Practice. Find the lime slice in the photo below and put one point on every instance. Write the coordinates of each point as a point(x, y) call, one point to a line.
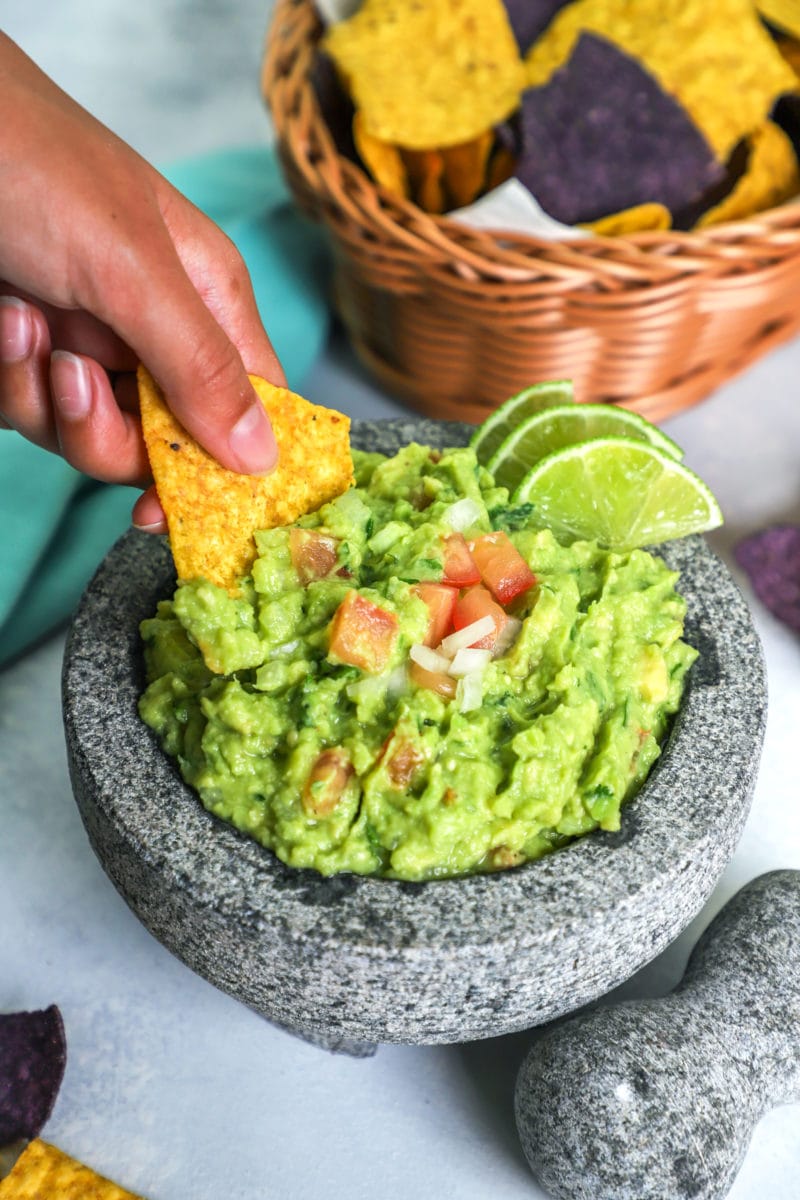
point(496, 428)
point(554, 428)
point(619, 492)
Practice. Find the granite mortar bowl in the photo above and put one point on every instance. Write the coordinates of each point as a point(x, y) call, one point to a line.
point(350, 959)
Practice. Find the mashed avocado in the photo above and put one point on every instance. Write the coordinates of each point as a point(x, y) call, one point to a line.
point(418, 682)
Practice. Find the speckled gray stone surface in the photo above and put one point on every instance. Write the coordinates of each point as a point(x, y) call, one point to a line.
point(378, 960)
point(657, 1099)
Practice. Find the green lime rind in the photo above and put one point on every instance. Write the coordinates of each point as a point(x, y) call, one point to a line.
point(619, 492)
point(496, 428)
point(554, 428)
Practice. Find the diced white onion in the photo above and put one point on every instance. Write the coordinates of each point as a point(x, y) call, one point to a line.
point(469, 692)
point(467, 660)
point(428, 659)
point(397, 682)
point(508, 635)
point(467, 636)
point(463, 514)
point(380, 542)
point(287, 647)
point(375, 688)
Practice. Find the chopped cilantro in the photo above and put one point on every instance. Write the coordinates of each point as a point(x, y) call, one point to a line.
point(509, 519)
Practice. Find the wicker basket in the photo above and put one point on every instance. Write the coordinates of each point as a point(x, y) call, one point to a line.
point(453, 320)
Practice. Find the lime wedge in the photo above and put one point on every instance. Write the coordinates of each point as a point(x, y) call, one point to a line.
point(554, 428)
point(496, 428)
point(619, 492)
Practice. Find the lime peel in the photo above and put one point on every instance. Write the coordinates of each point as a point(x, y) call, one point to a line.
point(619, 492)
point(496, 428)
point(554, 428)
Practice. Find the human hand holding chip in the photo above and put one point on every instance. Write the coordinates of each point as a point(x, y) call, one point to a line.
point(104, 264)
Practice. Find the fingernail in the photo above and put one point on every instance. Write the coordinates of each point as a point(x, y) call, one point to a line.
point(253, 443)
point(155, 527)
point(71, 384)
point(16, 330)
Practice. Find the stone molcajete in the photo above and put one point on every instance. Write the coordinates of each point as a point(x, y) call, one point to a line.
point(352, 958)
point(657, 1099)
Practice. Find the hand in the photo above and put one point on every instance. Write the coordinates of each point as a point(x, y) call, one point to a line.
point(103, 264)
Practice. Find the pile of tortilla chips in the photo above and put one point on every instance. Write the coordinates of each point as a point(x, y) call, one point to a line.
point(617, 117)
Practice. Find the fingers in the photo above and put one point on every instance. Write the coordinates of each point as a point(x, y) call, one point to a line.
point(80, 332)
point(148, 515)
point(64, 402)
point(84, 334)
point(94, 433)
point(24, 358)
point(220, 276)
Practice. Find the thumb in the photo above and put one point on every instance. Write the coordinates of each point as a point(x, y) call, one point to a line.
point(210, 394)
point(218, 273)
point(192, 357)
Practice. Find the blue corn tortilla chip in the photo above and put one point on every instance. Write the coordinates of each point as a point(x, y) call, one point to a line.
point(33, 1054)
point(771, 559)
point(602, 135)
point(529, 18)
point(735, 167)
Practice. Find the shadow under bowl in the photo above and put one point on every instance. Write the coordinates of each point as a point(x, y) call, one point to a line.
point(359, 959)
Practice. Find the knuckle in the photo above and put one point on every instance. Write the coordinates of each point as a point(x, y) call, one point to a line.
point(216, 369)
point(231, 277)
point(232, 260)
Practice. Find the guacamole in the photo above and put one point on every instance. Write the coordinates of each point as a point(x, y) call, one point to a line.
point(416, 681)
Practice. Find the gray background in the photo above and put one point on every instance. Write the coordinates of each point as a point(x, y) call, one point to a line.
point(172, 1087)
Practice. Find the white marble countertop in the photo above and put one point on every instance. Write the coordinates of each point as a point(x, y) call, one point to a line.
point(171, 1087)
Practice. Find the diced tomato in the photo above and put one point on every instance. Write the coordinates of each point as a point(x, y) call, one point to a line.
point(475, 603)
point(502, 567)
point(435, 681)
point(362, 634)
point(313, 554)
point(326, 782)
point(459, 568)
point(441, 600)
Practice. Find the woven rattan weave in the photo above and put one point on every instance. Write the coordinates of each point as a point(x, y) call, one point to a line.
point(453, 321)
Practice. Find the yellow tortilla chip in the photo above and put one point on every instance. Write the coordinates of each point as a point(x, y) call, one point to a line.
point(465, 168)
point(425, 173)
point(212, 512)
point(783, 14)
point(790, 51)
point(772, 177)
point(501, 167)
point(43, 1172)
point(431, 74)
point(716, 59)
point(382, 160)
point(639, 219)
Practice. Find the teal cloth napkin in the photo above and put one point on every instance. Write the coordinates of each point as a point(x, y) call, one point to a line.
point(55, 524)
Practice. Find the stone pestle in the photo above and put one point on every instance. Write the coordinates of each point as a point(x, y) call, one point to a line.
point(658, 1099)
